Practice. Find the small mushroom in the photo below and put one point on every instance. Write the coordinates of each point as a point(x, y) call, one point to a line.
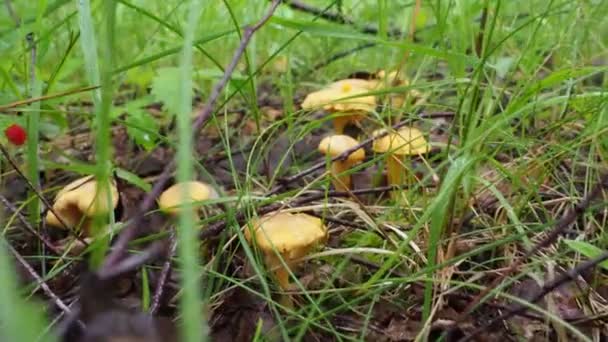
point(80, 201)
point(291, 236)
point(397, 146)
point(345, 96)
point(335, 145)
point(171, 200)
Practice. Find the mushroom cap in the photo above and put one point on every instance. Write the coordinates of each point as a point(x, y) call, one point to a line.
point(406, 141)
point(292, 235)
point(171, 200)
point(332, 98)
point(335, 145)
point(82, 198)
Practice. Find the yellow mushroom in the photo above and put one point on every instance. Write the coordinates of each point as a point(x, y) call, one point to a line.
point(288, 236)
point(335, 145)
point(172, 199)
point(345, 96)
point(81, 200)
point(397, 146)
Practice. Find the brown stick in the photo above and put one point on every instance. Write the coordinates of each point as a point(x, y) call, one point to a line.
point(29, 227)
point(45, 97)
point(338, 18)
point(41, 283)
point(547, 288)
point(218, 227)
point(560, 226)
point(202, 117)
point(132, 262)
point(164, 275)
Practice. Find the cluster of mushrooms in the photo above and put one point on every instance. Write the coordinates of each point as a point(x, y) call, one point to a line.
point(282, 237)
point(349, 101)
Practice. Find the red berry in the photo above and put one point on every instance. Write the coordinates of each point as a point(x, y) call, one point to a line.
point(15, 134)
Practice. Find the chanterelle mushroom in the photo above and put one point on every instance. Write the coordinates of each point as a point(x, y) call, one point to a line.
point(80, 201)
point(345, 96)
point(171, 199)
point(335, 145)
point(398, 145)
point(292, 236)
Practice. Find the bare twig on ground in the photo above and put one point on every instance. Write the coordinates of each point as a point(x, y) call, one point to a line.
point(164, 275)
point(219, 226)
point(132, 262)
point(40, 282)
point(560, 227)
point(28, 226)
point(458, 295)
point(201, 119)
point(547, 288)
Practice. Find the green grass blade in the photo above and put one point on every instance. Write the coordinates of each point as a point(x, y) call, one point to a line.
point(193, 322)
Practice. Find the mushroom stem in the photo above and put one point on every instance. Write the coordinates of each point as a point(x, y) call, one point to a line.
point(396, 173)
point(281, 275)
point(340, 123)
point(341, 181)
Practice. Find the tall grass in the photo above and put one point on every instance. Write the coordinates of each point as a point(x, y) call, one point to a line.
point(193, 321)
point(531, 82)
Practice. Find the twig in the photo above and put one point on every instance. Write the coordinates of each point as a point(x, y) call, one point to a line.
point(202, 117)
point(560, 227)
point(218, 227)
point(45, 97)
point(38, 193)
point(372, 265)
point(338, 18)
point(285, 181)
point(164, 275)
point(547, 288)
point(29, 227)
point(40, 282)
point(341, 55)
point(132, 262)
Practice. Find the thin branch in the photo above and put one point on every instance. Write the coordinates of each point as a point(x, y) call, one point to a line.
point(164, 275)
point(546, 289)
point(240, 217)
point(338, 18)
point(341, 55)
point(202, 118)
point(132, 262)
point(458, 295)
point(560, 227)
point(40, 282)
point(45, 97)
point(28, 226)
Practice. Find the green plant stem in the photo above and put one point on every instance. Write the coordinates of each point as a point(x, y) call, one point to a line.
point(33, 119)
point(193, 322)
